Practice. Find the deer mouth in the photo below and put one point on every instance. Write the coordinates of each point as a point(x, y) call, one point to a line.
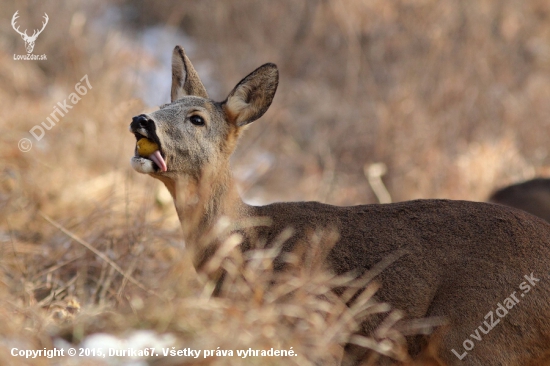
point(148, 156)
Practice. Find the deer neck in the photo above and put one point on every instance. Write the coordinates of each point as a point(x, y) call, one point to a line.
point(203, 199)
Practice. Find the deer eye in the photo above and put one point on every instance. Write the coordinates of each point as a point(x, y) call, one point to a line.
point(197, 120)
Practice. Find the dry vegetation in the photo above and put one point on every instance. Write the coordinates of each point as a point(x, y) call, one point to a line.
point(451, 96)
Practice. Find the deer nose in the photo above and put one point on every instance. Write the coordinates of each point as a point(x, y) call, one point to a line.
point(140, 121)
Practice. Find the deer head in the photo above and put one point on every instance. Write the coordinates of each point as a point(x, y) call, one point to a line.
point(195, 134)
point(29, 41)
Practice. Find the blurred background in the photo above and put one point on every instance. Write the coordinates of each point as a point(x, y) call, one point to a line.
point(450, 96)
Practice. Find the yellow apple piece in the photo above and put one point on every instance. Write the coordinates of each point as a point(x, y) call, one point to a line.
point(146, 147)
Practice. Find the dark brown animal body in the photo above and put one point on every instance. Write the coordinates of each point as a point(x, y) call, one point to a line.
point(463, 258)
point(532, 196)
point(484, 267)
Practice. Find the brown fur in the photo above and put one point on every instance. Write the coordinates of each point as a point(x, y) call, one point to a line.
point(532, 196)
point(185, 80)
point(462, 258)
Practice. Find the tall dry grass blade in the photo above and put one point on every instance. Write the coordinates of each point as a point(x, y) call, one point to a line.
point(98, 253)
point(55, 293)
point(367, 277)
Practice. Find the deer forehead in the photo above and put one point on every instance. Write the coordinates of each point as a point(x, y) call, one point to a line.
point(180, 109)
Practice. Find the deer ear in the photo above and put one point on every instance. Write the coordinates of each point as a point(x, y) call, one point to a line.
point(252, 96)
point(185, 80)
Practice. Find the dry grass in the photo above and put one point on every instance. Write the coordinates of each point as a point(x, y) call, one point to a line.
point(450, 96)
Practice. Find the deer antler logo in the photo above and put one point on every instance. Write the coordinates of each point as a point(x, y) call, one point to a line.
point(29, 41)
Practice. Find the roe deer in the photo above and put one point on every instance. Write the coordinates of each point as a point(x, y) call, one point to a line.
point(464, 259)
point(532, 196)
